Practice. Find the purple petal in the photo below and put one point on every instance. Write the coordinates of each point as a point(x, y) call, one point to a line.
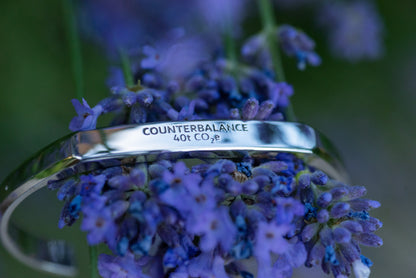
point(369, 239)
point(342, 235)
point(339, 210)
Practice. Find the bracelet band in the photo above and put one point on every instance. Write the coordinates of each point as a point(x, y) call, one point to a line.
point(147, 143)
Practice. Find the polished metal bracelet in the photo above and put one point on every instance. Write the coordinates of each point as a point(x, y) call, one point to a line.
point(145, 143)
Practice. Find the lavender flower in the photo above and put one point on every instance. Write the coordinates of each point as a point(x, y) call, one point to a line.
point(354, 29)
point(270, 238)
point(176, 57)
point(127, 24)
point(87, 116)
point(298, 44)
point(214, 227)
point(99, 223)
point(225, 15)
point(293, 42)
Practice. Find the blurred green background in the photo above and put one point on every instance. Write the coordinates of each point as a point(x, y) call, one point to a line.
point(366, 109)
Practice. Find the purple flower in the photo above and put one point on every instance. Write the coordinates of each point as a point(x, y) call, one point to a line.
point(309, 231)
point(134, 180)
point(175, 257)
point(342, 235)
point(179, 182)
point(68, 188)
point(339, 210)
point(270, 238)
point(115, 78)
point(265, 110)
point(215, 228)
point(283, 185)
point(250, 108)
point(70, 212)
point(280, 93)
point(319, 178)
point(304, 181)
point(330, 255)
point(294, 257)
point(254, 51)
point(221, 166)
point(87, 116)
point(324, 199)
point(187, 113)
point(333, 241)
point(287, 210)
point(91, 184)
point(297, 44)
point(223, 15)
point(146, 211)
point(121, 267)
point(369, 239)
point(100, 225)
point(180, 176)
point(127, 24)
point(175, 58)
point(151, 59)
point(354, 29)
point(205, 265)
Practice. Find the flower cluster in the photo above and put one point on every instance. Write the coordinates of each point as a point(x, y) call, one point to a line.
point(215, 89)
point(206, 219)
point(294, 43)
point(240, 216)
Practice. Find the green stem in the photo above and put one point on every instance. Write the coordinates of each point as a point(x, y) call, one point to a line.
point(125, 64)
point(93, 250)
point(230, 49)
point(270, 31)
point(75, 46)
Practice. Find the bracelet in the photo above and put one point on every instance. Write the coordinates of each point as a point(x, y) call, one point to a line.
point(144, 143)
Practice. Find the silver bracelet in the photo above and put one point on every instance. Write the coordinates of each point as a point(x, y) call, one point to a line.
point(145, 143)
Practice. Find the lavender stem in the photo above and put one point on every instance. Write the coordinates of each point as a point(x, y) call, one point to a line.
point(75, 46)
point(270, 30)
point(93, 251)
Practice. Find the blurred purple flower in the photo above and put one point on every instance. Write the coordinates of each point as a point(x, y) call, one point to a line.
point(298, 44)
point(222, 15)
point(280, 93)
point(113, 24)
point(355, 29)
point(176, 57)
point(127, 24)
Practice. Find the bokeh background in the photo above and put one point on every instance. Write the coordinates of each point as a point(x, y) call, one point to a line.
point(367, 109)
